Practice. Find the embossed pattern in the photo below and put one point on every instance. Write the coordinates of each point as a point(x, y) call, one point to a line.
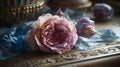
point(14, 11)
point(73, 57)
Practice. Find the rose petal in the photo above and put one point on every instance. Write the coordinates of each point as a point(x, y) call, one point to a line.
point(53, 34)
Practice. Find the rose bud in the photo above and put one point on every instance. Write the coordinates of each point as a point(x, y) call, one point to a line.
point(60, 13)
point(85, 27)
point(52, 34)
point(102, 12)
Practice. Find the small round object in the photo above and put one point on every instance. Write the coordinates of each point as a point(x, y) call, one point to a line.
point(102, 12)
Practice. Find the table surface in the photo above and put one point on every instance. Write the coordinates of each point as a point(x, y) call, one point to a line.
point(103, 56)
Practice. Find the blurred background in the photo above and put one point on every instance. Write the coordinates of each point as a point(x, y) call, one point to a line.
point(20, 11)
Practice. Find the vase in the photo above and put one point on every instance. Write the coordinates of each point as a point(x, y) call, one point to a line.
point(18, 11)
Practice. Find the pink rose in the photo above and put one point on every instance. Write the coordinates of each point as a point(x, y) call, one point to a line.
point(52, 33)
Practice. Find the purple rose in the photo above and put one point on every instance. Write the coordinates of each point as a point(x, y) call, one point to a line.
point(52, 34)
point(85, 27)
